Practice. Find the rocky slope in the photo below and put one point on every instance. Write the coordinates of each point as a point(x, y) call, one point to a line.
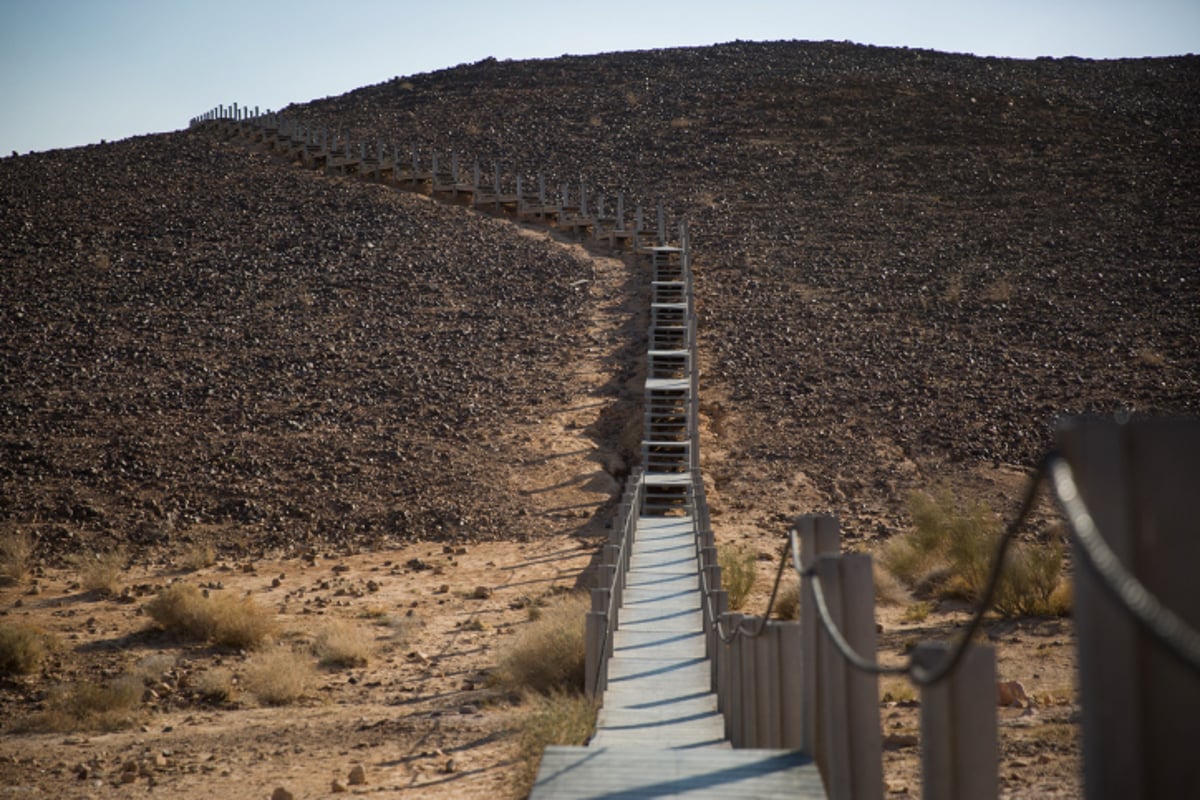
point(910, 262)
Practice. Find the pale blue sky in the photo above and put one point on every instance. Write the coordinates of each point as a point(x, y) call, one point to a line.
point(74, 72)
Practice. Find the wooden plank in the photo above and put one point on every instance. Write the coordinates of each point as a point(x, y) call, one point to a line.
point(574, 773)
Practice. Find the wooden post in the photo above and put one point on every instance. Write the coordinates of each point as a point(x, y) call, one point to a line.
point(818, 535)
point(958, 726)
point(849, 745)
point(594, 668)
point(1140, 726)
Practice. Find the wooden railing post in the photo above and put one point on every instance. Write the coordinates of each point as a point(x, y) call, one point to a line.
point(819, 535)
point(594, 682)
point(958, 726)
point(849, 744)
point(1138, 481)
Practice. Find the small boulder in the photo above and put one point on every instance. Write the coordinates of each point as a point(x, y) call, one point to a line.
point(1011, 693)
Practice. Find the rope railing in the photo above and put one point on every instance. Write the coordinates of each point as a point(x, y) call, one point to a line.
point(1149, 612)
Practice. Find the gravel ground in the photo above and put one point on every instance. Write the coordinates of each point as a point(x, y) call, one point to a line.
point(200, 342)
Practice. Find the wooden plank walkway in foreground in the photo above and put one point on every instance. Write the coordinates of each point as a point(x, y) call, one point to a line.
point(659, 733)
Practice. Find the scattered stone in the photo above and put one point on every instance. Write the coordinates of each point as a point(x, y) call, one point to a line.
point(281, 793)
point(895, 741)
point(1012, 694)
point(451, 766)
point(481, 593)
point(338, 786)
point(358, 776)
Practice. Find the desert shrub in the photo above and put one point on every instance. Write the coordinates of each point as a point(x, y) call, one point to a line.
point(550, 654)
point(214, 685)
point(224, 620)
point(787, 602)
point(198, 555)
point(342, 644)
point(90, 706)
point(737, 573)
point(280, 676)
point(917, 612)
point(559, 718)
point(100, 573)
point(22, 648)
point(1032, 584)
point(949, 552)
point(403, 629)
point(16, 554)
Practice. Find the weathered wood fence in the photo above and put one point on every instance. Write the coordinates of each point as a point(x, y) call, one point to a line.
point(579, 208)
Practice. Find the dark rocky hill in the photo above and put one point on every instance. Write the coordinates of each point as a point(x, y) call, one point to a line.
point(909, 263)
point(906, 258)
point(200, 342)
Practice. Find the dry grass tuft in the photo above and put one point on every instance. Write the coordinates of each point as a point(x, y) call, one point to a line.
point(221, 619)
point(787, 602)
point(917, 612)
point(16, 555)
point(558, 718)
point(550, 655)
point(738, 573)
point(343, 644)
point(280, 676)
point(949, 551)
point(403, 628)
point(22, 648)
point(89, 706)
point(889, 591)
point(100, 573)
point(897, 690)
point(215, 685)
point(198, 555)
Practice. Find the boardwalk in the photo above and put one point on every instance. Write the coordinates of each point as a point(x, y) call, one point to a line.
point(659, 733)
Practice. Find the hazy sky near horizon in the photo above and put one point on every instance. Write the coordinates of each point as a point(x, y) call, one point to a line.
point(73, 72)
